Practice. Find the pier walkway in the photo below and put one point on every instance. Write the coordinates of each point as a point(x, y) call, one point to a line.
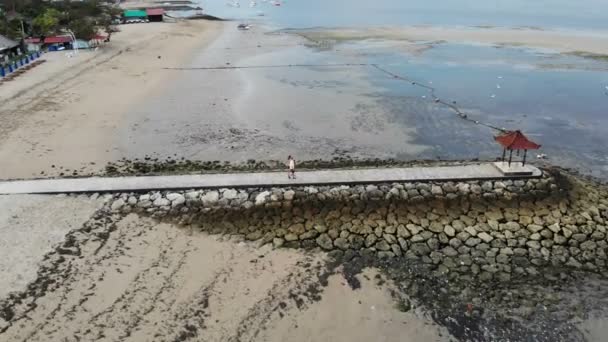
point(482, 171)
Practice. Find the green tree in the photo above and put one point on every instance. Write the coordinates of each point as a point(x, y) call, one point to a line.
point(10, 27)
point(105, 20)
point(47, 22)
point(83, 28)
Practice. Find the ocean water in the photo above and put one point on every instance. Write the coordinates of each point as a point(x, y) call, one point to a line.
point(579, 14)
point(558, 100)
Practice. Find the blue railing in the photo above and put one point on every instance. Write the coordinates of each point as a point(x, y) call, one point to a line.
point(21, 61)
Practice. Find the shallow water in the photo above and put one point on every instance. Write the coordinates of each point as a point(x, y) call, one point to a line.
point(560, 101)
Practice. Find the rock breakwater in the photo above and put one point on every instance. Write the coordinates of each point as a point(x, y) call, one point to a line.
point(479, 229)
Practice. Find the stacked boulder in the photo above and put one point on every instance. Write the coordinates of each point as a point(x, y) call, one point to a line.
point(485, 229)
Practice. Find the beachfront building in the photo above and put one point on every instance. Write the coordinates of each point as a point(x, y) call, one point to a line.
point(8, 48)
point(134, 15)
point(51, 43)
point(56, 43)
point(155, 14)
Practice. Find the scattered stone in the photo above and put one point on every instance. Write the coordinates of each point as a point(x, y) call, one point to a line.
point(117, 205)
point(210, 198)
point(173, 196)
point(436, 190)
point(289, 195)
point(341, 243)
point(161, 202)
point(192, 195)
point(382, 245)
point(178, 200)
point(262, 197)
point(325, 242)
point(485, 237)
point(449, 231)
point(230, 194)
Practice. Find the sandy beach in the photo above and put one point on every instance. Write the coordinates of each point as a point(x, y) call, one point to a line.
point(68, 111)
point(134, 98)
point(147, 281)
point(30, 228)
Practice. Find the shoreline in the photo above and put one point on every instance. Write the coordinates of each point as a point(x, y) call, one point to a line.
point(563, 41)
point(127, 105)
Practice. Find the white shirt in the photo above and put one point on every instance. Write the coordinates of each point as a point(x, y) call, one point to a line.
point(292, 164)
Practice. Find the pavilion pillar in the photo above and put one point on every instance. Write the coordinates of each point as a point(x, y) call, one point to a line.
point(504, 154)
point(524, 161)
point(510, 157)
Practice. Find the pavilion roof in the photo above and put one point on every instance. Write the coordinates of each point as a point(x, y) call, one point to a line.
point(516, 140)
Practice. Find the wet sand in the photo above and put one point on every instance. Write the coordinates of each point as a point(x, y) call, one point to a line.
point(147, 281)
point(560, 41)
point(266, 113)
point(30, 227)
point(131, 278)
point(72, 116)
point(127, 104)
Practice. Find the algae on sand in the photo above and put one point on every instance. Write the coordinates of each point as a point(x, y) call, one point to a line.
point(590, 55)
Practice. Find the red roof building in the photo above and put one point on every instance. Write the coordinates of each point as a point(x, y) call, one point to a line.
point(49, 40)
point(99, 37)
point(32, 40)
point(155, 11)
point(155, 14)
point(57, 39)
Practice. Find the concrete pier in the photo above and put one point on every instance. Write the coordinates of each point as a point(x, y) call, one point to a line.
point(481, 171)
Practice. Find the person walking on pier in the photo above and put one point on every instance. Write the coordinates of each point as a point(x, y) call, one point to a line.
point(291, 174)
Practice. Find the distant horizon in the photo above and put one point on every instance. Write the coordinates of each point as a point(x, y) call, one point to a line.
point(555, 14)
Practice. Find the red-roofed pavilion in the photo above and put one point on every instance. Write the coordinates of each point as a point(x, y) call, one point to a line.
point(515, 140)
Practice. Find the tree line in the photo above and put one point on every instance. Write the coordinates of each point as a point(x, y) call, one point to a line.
point(39, 18)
